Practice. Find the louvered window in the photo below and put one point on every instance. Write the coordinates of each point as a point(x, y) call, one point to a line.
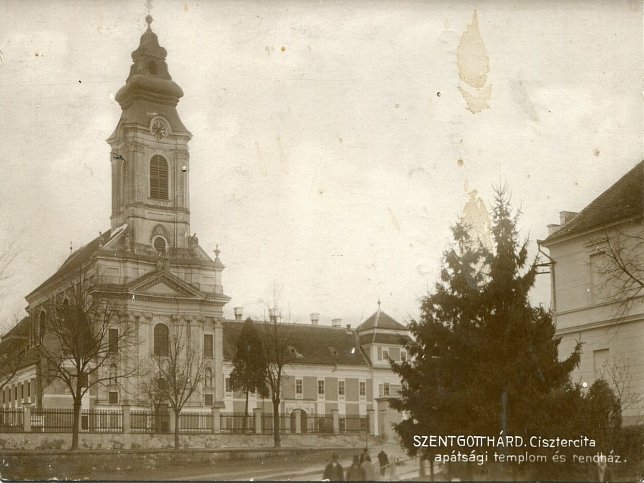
point(158, 178)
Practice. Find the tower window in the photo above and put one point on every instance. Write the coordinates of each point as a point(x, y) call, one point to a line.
point(161, 341)
point(158, 178)
point(152, 68)
point(159, 244)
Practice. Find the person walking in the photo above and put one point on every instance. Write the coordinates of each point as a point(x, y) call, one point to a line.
point(384, 462)
point(369, 469)
point(355, 472)
point(333, 471)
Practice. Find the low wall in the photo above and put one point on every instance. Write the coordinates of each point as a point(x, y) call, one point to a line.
point(121, 441)
point(36, 457)
point(70, 465)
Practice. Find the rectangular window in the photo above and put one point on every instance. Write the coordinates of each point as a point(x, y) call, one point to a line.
point(15, 393)
point(29, 389)
point(113, 341)
point(341, 388)
point(403, 355)
point(298, 387)
point(600, 361)
point(227, 384)
point(114, 397)
point(208, 346)
point(22, 391)
point(385, 354)
point(379, 353)
point(363, 388)
point(385, 389)
point(208, 399)
point(321, 387)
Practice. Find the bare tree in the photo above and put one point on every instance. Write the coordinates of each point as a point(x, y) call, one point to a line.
point(278, 354)
point(13, 351)
point(155, 391)
point(179, 371)
point(617, 261)
point(84, 335)
point(616, 372)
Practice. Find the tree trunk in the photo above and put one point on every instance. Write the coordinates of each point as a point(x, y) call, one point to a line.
point(75, 423)
point(176, 430)
point(276, 423)
point(245, 413)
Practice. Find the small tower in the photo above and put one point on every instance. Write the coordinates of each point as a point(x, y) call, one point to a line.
point(149, 156)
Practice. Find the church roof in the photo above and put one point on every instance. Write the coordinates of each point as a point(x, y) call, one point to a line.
point(77, 258)
point(380, 320)
point(149, 89)
point(311, 344)
point(621, 201)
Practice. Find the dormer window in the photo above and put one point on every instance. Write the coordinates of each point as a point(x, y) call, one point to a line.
point(158, 178)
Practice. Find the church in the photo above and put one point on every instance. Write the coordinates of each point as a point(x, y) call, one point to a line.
point(150, 264)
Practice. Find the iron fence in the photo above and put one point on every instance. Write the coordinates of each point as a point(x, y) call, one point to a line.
point(11, 421)
point(102, 420)
point(354, 424)
point(236, 423)
point(317, 423)
point(195, 423)
point(286, 423)
point(144, 421)
point(52, 420)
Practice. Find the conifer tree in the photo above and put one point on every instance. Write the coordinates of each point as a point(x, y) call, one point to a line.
point(483, 359)
point(249, 365)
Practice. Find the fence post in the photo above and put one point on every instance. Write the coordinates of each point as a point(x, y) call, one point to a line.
point(372, 421)
point(298, 421)
point(257, 414)
point(125, 411)
point(336, 420)
point(216, 420)
point(26, 418)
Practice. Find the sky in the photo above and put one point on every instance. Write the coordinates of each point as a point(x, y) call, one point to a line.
point(333, 142)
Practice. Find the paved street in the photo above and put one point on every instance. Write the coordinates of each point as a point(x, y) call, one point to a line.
point(304, 467)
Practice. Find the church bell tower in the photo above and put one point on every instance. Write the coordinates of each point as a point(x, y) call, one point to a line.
point(149, 157)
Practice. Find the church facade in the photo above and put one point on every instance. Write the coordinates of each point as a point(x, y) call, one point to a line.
point(163, 281)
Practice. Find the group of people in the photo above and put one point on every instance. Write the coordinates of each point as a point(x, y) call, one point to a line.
point(362, 469)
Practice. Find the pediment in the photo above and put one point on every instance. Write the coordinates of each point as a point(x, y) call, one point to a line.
point(164, 284)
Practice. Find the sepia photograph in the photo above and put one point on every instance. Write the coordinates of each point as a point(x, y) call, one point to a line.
point(293, 240)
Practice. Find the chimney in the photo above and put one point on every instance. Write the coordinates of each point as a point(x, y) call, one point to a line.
point(553, 227)
point(336, 322)
point(566, 216)
point(239, 312)
point(315, 318)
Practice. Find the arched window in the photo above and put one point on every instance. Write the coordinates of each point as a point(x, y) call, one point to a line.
point(208, 381)
point(42, 324)
point(161, 340)
point(159, 244)
point(158, 178)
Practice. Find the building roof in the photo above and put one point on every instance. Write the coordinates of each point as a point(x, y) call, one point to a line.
point(12, 346)
point(77, 258)
point(380, 320)
point(312, 344)
point(621, 201)
point(380, 338)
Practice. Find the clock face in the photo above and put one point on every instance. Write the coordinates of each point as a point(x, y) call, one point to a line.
point(159, 129)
